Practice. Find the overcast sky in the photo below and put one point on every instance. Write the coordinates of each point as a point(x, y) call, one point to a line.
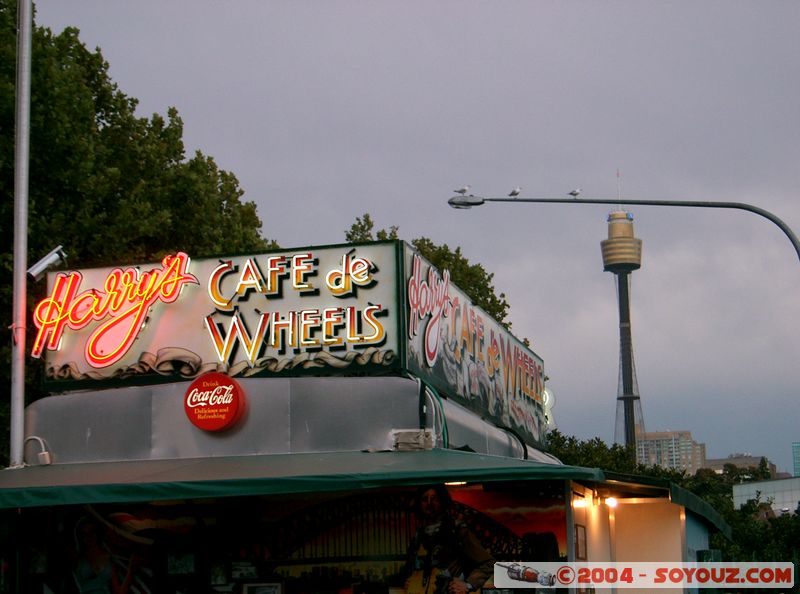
point(328, 110)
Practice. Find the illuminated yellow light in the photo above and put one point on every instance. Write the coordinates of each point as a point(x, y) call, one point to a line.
point(456, 483)
point(611, 502)
point(579, 502)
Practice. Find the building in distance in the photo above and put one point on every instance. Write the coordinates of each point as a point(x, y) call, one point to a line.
point(671, 449)
point(782, 495)
point(743, 461)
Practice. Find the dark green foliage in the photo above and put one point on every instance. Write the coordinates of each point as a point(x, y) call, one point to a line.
point(592, 453)
point(361, 230)
point(758, 534)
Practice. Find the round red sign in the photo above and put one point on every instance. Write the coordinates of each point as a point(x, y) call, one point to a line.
point(214, 402)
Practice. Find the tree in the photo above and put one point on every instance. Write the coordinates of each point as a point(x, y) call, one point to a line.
point(109, 186)
point(361, 230)
point(591, 453)
point(757, 533)
point(470, 278)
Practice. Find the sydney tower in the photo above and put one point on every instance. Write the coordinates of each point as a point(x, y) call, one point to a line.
point(622, 254)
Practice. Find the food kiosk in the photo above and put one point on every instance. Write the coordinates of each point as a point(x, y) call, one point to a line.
point(262, 423)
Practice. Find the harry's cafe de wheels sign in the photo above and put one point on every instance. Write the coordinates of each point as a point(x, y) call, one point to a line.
point(355, 309)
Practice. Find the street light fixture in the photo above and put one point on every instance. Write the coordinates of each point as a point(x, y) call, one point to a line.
point(470, 201)
point(465, 201)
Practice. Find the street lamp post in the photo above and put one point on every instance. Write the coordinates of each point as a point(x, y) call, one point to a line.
point(470, 201)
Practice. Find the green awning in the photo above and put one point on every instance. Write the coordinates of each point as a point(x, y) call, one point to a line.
point(274, 474)
point(198, 478)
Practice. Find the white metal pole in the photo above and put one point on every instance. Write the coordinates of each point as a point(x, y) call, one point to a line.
point(21, 157)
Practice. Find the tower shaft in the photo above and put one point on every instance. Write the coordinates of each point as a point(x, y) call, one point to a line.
point(622, 254)
point(628, 390)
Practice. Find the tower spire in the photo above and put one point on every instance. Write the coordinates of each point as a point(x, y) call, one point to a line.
point(622, 254)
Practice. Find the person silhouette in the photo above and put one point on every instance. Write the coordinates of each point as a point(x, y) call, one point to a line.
point(95, 571)
point(444, 556)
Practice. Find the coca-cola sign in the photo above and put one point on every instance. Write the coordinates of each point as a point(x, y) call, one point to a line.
point(214, 402)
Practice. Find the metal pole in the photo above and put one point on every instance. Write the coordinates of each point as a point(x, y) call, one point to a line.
point(21, 157)
point(470, 201)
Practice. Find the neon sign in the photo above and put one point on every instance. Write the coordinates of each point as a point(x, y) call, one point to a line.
point(122, 307)
point(297, 329)
point(428, 298)
point(265, 311)
point(462, 351)
point(252, 279)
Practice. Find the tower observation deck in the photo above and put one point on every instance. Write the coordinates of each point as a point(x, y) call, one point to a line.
point(622, 254)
